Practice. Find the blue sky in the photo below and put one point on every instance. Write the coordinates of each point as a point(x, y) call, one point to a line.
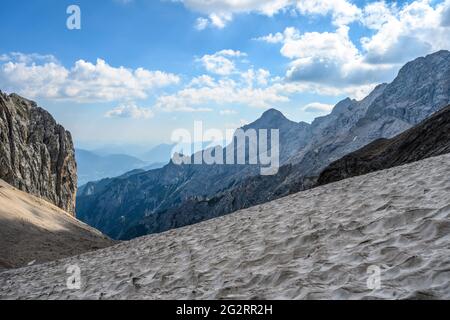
point(138, 69)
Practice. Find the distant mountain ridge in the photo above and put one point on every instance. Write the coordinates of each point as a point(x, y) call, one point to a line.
point(160, 189)
point(160, 153)
point(179, 195)
point(94, 167)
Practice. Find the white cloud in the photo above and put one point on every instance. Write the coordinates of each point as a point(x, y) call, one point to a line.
point(249, 88)
point(332, 45)
point(343, 12)
point(317, 107)
point(271, 38)
point(219, 20)
point(220, 12)
point(258, 77)
point(222, 92)
point(376, 14)
point(227, 112)
point(413, 30)
point(216, 20)
point(201, 24)
point(130, 111)
point(43, 76)
point(280, 37)
point(203, 80)
point(28, 58)
point(330, 58)
point(266, 7)
point(331, 61)
point(222, 62)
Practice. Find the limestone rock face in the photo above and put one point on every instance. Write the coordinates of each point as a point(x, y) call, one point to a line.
point(36, 153)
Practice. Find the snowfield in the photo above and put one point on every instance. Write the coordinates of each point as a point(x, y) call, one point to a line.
point(317, 244)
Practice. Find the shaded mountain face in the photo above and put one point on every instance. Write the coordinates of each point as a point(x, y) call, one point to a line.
point(93, 167)
point(428, 139)
point(182, 195)
point(36, 154)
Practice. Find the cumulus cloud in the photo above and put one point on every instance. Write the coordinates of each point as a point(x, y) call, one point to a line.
point(227, 112)
point(130, 111)
point(271, 38)
point(407, 32)
point(376, 14)
point(280, 37)
point(201, 24)
point(258, 77)
point(343, 12)
point(222, 62)
point(331, 60)
point(220, 12)
point(223, 92)
point(252, 88)
point(43, 76)
point(266, 7)
point(317, 107)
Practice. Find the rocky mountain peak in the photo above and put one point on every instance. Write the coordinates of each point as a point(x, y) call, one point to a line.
point(342, 106)
point(420, 67)
point(421, 88)
point(36, 154)
point(271, 118)
point(272, 113)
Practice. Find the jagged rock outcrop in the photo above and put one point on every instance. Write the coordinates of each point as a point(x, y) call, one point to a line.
point(36, 154)
point(428, 139)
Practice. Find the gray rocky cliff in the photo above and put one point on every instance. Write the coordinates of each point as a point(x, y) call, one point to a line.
point(36, 153)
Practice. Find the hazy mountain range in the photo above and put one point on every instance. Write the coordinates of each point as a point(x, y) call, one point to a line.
point(104, 163)
point(93, 167)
